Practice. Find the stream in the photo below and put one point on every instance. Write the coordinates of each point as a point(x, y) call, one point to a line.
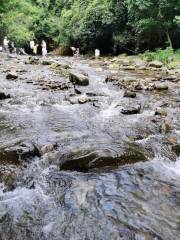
point(86, 171)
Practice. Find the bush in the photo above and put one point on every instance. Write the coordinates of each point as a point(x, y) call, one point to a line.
point(164, 56)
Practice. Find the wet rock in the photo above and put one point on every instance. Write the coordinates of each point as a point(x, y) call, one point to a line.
point(104, 160)
point(77, 91)
point(170, 78)
point(160, 111)
point(17, 153)
point(129, 68)
point(156, 64)
point(4, 96)
point(172, 140)
point(114, 66)
point(8, 176)
point(149, 87)
point(96, 105)
point(83, 99)
point(47, 148)
point(176, 149)
point(128, 110)
point(78, 78)
point(129, 94)
point(33, 60)
point(57, 66)
point(161, 86)
point(47, 62)
point(12, 75)
point(9, 156)
point(73, 100)
point(138, 86)
point(165, 128)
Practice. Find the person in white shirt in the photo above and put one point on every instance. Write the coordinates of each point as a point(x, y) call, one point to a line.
point(5, 43)
point(73, 50)
point(97, 53)
point(32, 44)
point(44, 48)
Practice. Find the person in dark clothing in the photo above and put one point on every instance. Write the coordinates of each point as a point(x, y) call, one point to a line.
point(10, 46)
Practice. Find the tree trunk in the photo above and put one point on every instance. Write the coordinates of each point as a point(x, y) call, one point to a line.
point(169, 39)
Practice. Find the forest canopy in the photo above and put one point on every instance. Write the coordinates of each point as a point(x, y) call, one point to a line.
point(111, 25)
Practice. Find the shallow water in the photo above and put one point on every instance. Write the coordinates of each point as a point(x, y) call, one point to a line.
point(111, 176)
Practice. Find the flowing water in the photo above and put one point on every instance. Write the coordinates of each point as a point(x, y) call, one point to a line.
point(110, 176)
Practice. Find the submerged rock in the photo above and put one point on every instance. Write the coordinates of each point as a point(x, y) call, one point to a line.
point(78, 78)
point(4, 96)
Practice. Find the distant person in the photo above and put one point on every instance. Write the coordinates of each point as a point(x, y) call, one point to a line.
point(1, 48)
point(11, 47)
point(73, 50)
point(44, 48)
point(35, 49)
point(97, 53)
point(5, 44)
point(77, 53)
point(32, 44)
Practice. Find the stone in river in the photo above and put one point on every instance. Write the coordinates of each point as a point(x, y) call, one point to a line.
point(128, 110)
point(161, 86)
point(129, 94)
point(4, 96)
point(156, 64)
point(83, 99)
point(78, 78)
point(12, 75)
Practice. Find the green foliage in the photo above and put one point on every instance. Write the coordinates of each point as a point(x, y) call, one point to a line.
point(111, 25)
point(166, 56)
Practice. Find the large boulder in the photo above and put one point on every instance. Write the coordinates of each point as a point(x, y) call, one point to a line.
point(130, 154)
point(78, 78)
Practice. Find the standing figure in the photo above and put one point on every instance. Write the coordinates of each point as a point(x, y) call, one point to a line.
point(77, 53)
point(32, 44)
point(97, 53)
point(5, 44)
point(73, 50)
point(11, 47)
point(44, 48)
point(35, 49)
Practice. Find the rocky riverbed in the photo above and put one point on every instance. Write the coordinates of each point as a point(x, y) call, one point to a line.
point(89, 149)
